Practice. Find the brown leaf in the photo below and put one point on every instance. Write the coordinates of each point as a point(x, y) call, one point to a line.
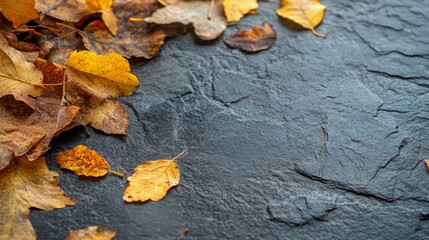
point(195, 13)
point(25, 184)
point(253, 40)
point(66, 10)
point(306, 13)
point(84, 162)
point(236, 9)
point(17, 76)
point(91, 233)
point(152, 180)
point(18, 11)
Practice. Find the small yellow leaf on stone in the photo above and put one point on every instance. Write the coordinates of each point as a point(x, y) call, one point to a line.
point(101, 75)
point(236, 9)
point(152, 180)
point(91, 233)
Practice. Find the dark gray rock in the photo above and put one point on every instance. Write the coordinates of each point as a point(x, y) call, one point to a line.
point(311, 139)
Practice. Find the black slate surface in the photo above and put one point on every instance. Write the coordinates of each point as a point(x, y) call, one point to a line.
point(312, 139)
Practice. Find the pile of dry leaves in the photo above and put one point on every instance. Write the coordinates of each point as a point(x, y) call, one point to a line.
point(63, 63)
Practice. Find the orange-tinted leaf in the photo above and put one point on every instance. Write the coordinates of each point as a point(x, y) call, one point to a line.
point(91, 233)
point(25, 184)
point(306, 13)
point(253, 40)
point(18, 11)
point(84, 162)
point(195, 13)
point(152, 180)
point(95, 5)
point(236, 9)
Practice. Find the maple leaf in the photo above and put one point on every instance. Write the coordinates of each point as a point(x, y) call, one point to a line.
point(25, 184)
point(195, 13)
point(18, 11)
point(17, 76)
point(306, 13)
point(91, 233)
point(152, 180)
point(253, 40)
point(236, 9)
point(84, 162)
point(101, 75)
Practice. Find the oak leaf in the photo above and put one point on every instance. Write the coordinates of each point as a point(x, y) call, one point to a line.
point(152, 180)
point(17, 76)
point(236, 9)
point(91, 233)
point(84, 162)
point(306, 13)
point(18, 11)
point(101, 75)
point(25, 184)
point(195, 13)
point(253, 40)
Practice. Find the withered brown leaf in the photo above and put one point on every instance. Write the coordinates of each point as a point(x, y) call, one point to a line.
point(253, 40)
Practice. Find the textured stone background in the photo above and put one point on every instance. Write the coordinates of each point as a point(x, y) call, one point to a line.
point(311, 139)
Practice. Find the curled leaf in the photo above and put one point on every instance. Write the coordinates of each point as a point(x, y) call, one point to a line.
point(152, 180)
point(253, 40)
point(84, 162)
point(92, 233)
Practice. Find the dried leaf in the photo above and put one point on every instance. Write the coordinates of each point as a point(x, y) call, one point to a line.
point(110, 20)
point(132, 39)
point(427, 164)
point(152, 180)
point(66, 10)
point(18, 11)
point(306, 13)
point(253, 40)
point(236, 9)
point(91, 233)
point(101, 75)
point(84, 162)
point(195, 13)
point(17, 76)
point(25, 184)
point(95, 5)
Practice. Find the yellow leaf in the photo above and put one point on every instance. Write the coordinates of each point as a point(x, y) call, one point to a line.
point(91, 233)
point(25, 184)
point(101, 75)
point(110, 20)
point(18, 11)
point(84, 162)
point(152, 180)
point(306, 13)
point(95, 5)
point(17, 76)
point(236, 9)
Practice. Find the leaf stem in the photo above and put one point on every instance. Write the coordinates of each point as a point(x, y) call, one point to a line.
point(117, 173)
point(22, 81)
point(135, 19)
point(318, 34)
point(211, 10)
point(179, 155)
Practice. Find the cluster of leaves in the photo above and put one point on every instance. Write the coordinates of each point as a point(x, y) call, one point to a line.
point(63, 63)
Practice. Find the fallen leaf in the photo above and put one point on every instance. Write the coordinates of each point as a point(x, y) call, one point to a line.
point(17, 76)
point(236, 9)
point(25, 184)
point(84, 162)
point(195, 13)
point(306, 13)
point(152, 180)
point(101, 75)
point(66, 10)
point(427, 164)
point(110, 20)
point(95, 5)
point(91, 233)
point(253, 40)
point(18, 11)
point(132, 39)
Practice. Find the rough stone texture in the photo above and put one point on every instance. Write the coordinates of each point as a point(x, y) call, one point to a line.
point(312, 139)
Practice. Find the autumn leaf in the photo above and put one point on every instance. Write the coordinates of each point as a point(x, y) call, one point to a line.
point(18, 11)
point(84, 162)
point(25, 184)
point(95, 5)
point(152, 180)
point(427, 164)
point(253, 40)
point(101, 75)
point(66, 10)
point(110, 20)
point(306, 13)
point(236, 9)
point(17, 76)
point(195, 13)
point(91, 233)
